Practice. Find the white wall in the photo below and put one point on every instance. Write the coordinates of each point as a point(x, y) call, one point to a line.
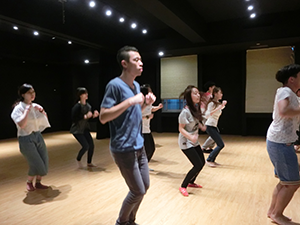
point(176, 74)
point(261, 83)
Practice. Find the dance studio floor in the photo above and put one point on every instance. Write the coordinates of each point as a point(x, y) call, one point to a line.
point(236, 193)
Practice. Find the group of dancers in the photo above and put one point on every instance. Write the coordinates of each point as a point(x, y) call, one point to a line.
point(128, 109)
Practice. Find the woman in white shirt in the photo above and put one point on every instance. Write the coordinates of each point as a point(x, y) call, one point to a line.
point(147, 115)
point(31, 119)
point(280, 136)
point(213, 113)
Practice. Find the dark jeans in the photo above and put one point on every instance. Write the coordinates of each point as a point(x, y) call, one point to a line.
point(149, 145)
point(215, 135)
point(134, 169)
point(196, 157)
point(87, 144)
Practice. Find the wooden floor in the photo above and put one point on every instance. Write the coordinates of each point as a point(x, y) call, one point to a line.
point(236, 193)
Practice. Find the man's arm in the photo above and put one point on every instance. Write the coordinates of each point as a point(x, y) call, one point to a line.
point(109, 114)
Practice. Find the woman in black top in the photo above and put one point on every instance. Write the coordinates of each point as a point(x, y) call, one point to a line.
point(81, 113)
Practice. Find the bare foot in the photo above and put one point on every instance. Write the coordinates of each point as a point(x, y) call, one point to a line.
point(79, 164)
point(91, 165)
point(211, 164)
point(281, 220)
point(288, 218)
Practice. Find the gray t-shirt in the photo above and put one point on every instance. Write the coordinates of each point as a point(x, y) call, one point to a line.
point(191, 126)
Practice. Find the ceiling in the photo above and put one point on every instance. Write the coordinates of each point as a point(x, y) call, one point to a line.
point(176, 27)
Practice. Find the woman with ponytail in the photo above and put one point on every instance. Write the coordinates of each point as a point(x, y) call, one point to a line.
point(213, 113)
point(31, 119)
point(189, 123)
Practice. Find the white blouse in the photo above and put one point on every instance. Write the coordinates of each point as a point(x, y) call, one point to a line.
point(283, 129)
point(36, 120)
point(146, 122)
point(212, 120)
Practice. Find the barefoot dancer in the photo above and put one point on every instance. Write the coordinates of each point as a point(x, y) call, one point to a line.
point(281, 134)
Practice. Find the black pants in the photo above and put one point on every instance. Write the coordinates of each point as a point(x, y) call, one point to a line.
point(87, 144)
point(149, 145)
point(196, 157)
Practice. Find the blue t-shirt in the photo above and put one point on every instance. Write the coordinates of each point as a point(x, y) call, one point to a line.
point(126, 129)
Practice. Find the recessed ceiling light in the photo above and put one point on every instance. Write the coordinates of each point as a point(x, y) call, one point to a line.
point(144, 31)
point(53, 38)
point(121, 19)
point(16, 28)
point(108, 12)
point(86, 61)
point(253, 15)
point(92, 4)
point(161, 53)
point(69, 42)
point(133, 25)
point(250, 7)
point(36, 33)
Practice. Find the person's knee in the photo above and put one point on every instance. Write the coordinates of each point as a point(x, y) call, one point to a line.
point(222, 145)
point(198, 168)
point(292, 187)
point(86, 147)
point(140, 192)
point(147, 187)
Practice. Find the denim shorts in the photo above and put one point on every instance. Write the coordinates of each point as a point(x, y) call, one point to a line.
point(285, 162)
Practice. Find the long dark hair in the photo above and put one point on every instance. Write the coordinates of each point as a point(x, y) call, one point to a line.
point(195, 109)
point(22, 90)
point(216, 103)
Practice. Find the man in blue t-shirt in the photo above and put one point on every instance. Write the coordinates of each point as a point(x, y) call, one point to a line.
point(122, 107)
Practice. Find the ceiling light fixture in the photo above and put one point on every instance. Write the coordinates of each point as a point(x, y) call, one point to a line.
point(108, 12)
point(36, 33)
point(133, 25)
point(250, 7)
point(253, 15)
point(86, 61)
point(16, 28)
point(92, 4)
point(69, 42)
point(161, 53)
point(121, 19)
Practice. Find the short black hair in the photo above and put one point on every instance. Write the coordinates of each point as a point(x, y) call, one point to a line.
point(123, 54)
point(208, 84)
point(145, 89)
point(286, 72)
point(80, 91)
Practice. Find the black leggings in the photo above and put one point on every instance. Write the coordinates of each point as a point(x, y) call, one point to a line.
point(87, 144)
point(196, 157)
point(149, 145)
